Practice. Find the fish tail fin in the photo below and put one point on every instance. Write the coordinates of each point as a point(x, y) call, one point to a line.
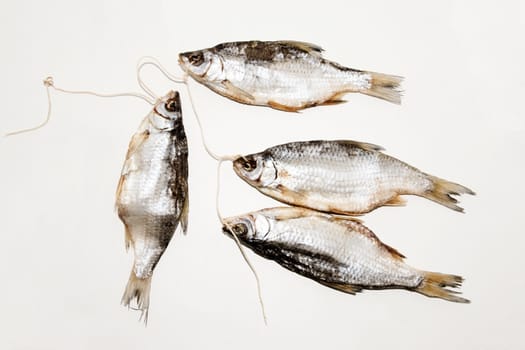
point(385, 87)
point(434, 285)
point(443, 190)
point(137, 293)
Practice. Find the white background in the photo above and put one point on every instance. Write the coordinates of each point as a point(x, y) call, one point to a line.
point(63, 265)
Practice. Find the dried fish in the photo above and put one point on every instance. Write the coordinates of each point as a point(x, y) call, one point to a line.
point(285, 75)
point(336, 251)
point(152, 195)
point(345, 177)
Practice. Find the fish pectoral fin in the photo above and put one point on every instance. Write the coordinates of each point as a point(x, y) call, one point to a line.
point(296, 198)
point(237, 92)
point(303, 46)
point(397, 201)
point(127, 168)
point(346, 288)
point(281, 107)
point(136, 141)
point(119, 190)
point(287, 213)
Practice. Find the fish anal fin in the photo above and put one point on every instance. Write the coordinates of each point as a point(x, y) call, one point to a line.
point(346, 288)
point(332, 101)
point(335, 99)
point(237, 93)
point(128, 240)
point(396, 201)
point(184, 216)
point(281, 107)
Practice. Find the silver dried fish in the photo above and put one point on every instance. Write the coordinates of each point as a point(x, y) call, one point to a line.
point(285, 75)
point(338, 252)
point(152, 195)
point(345, 177)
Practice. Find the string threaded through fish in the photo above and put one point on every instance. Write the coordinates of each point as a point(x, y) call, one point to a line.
point(49, 83)
point(241, 248)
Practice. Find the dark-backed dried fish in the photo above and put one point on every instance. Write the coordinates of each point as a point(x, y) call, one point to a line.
point(285, 75)
point(336, 251)
point(345, 177)
point(152, 195)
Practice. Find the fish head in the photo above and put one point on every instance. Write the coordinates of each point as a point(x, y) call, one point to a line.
point(169, 107)
point(202, 64)
point(256, 169)
point(248, 227)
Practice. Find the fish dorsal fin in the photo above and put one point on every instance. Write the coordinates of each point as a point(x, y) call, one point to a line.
point(394, 252)
point(356, 226)
point(304, 46)
point(363, 145)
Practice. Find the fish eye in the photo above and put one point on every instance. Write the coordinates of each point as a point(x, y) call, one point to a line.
point(196, 58)
point(171, 105)
point(249, 164)
point(240, 229)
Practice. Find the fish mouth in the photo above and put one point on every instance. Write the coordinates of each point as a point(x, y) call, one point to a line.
point(174, 95)
point(226, 230)
point(183, 60)
point(192, 63)
point(172, 103)
point(185, 64)
point(246, 175)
